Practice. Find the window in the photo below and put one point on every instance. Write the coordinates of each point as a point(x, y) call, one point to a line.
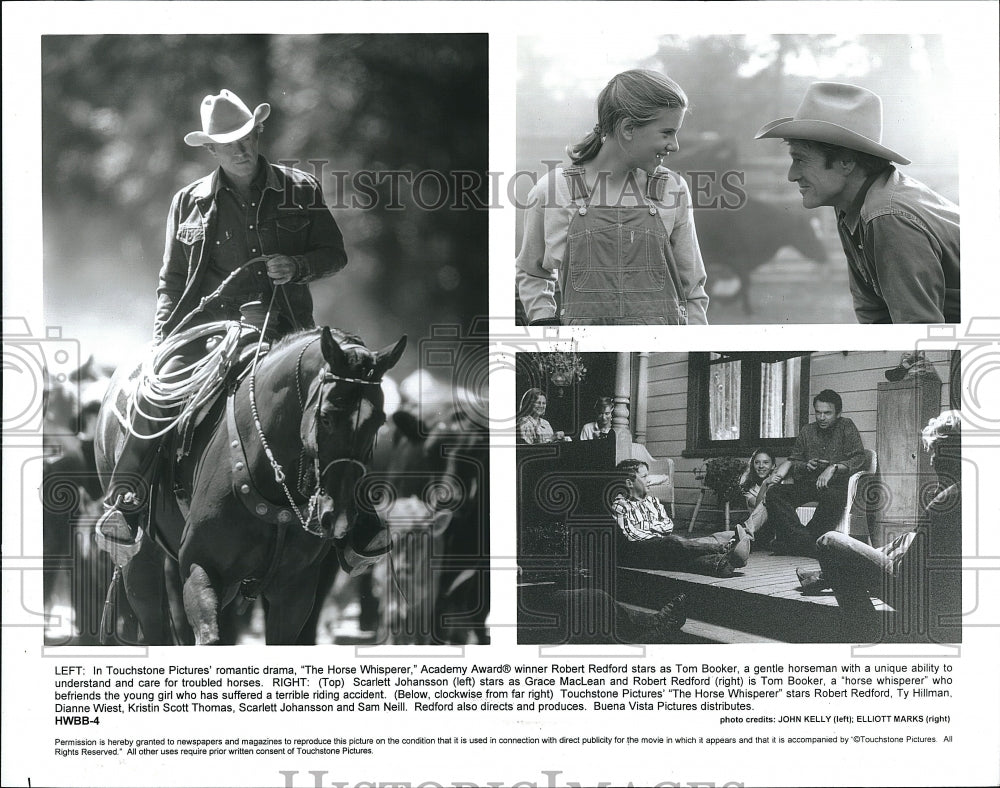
point(740, 401)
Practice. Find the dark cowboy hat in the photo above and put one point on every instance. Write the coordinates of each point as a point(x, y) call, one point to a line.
point(838, 114)
point(225, 118)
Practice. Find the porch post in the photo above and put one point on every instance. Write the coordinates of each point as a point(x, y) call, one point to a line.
point(623, 381)
point(641, 400)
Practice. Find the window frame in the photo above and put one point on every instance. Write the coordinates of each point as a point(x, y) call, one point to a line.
point(698, 442)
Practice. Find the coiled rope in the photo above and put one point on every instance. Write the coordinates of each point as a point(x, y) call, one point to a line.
point(185, 389)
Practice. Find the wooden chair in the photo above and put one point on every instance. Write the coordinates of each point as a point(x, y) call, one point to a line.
point(858, 530)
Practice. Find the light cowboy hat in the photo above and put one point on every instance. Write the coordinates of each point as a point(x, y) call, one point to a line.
point(225, 118)
point(838, 114)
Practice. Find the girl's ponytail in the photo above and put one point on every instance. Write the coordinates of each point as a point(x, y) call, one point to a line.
point(637, 95)
point(587, 148)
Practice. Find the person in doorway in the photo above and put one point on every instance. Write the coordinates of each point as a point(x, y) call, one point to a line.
point(600, 427)
point(615, 231)
point(901, 238)
point(532, 427)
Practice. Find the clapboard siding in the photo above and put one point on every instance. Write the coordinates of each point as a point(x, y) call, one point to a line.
point(854, 375)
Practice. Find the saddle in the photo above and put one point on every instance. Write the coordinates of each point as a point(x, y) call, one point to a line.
point(168, 498)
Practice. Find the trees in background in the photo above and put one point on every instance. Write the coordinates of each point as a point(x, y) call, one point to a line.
point(115, 110)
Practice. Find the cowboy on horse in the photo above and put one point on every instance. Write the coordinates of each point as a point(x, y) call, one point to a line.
point(247, 210)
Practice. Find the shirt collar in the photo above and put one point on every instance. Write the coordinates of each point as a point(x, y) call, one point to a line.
point(852, 215)
point(265, 178)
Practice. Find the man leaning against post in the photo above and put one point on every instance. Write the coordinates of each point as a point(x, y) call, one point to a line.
point(646, 538)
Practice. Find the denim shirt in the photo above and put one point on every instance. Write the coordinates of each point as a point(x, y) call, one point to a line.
point(291, 219)
point(839, 443)
point(902, 245)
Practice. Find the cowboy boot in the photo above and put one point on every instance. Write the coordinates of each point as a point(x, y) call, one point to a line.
point(367, 543)
point(811, 581)
point(116, 536)
point(739, 551)
point(673, 615)
point(117, 530)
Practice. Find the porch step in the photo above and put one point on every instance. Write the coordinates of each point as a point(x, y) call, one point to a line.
point(762, 600)
point(761, 603)
point(697, 631)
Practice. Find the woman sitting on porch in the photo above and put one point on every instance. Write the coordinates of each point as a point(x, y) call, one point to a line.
point(531, 427)
point(761, 474)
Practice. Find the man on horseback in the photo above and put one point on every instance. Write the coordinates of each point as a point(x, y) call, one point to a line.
point(246, 210)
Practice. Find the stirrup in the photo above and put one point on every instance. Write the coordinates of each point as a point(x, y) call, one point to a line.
point(114, 536)
point(354, 562)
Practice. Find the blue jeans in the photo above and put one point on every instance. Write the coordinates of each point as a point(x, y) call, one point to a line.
point(854, 570)
point(782, 501)
point(701, 554)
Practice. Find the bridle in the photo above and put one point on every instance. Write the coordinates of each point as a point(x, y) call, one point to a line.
point(307, 517)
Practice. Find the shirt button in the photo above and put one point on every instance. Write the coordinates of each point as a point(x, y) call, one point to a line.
point(253, 250)
point(251, 227)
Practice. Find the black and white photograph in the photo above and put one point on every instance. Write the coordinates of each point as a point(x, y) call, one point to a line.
point(696, 492)
point(743, 497)
point(769, 179)
point(277, 429)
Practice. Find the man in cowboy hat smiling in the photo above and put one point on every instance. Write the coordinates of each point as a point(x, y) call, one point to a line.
point(901, 239)
point(246, 209)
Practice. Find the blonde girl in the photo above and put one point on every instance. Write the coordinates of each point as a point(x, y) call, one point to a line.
point(616, 224)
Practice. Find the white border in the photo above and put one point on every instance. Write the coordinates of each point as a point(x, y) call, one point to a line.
point(26, 677)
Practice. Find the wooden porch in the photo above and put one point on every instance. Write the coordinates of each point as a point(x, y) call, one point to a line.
point(762, 603)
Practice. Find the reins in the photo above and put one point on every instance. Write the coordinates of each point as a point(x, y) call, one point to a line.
point(279, 473)
point(323, 376)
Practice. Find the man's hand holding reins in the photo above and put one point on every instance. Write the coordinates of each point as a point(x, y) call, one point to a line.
point(281, 268)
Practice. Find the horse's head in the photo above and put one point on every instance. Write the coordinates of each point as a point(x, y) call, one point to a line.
point(342, 415)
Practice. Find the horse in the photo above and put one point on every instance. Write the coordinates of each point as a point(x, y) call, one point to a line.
point(436, 465)
point(74, 568)
point(748, 236)
point(265, 490)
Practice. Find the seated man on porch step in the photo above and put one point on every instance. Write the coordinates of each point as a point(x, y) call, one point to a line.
point(646, 537)
point(919, 572)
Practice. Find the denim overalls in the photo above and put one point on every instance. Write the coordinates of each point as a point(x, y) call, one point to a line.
point(619, 268)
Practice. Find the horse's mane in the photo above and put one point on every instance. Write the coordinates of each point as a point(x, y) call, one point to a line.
point(339, 334)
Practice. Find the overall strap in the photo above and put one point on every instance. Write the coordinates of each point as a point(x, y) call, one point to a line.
point(656, 185)
point(576, 182)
